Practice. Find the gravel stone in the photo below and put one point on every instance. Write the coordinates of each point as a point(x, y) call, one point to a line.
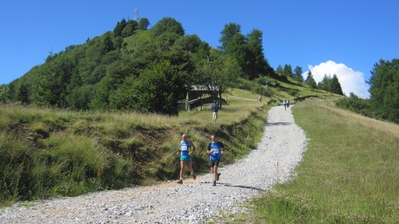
point(196, 201)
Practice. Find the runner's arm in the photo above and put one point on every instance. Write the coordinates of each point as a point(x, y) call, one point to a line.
point(193, 146)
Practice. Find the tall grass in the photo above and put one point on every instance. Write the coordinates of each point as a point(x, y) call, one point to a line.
point(349, 173)
point(46, 152)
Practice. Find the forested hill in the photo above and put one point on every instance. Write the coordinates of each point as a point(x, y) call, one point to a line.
point(133, 68)
point(136, 69)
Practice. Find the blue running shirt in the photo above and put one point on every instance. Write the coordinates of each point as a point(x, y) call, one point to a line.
point(217, 150)
point(184, 147)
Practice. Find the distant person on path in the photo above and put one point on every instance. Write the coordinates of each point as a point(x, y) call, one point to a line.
point(285, 104)
point(260, 98)
point(214, 109)
point(288, 103)
point(215, 151)
point(186, 157)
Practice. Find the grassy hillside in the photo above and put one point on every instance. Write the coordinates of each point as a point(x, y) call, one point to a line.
point(348, 174)
point(47, 152)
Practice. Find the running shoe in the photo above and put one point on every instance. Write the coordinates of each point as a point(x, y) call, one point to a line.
point(214, 183)
point(180, 181)
point(194, 177)
point(218, 176)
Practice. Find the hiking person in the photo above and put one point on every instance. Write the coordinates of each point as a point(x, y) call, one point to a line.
point(214, 109)
point(186, 157)
point(285, 104)
point(215, 151)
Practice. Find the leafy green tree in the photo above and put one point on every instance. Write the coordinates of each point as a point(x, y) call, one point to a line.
point(116, 75)
point(298, 73)
point(96, 49)
point(166, 40)
point(80, 97)
point(107, 45)
point(129, 29)
point(157, 90)
point(51, 87)
point(167, 24)
point(384, 89)
point(47, 87)
point(189, 43)
point(225, 71)
point(4, 93)
point(143, 24)
point(118, 41)
point(23, 94)
point(202, 53)
point(355, 104)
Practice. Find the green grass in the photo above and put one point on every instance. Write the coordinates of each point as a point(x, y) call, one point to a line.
point(348, 174)
point(46, 152)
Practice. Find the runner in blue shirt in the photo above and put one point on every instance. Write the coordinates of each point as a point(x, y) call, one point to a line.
point(215, 152)
point(186, 157)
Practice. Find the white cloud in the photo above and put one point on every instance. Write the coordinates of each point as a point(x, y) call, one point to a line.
point(351, 81)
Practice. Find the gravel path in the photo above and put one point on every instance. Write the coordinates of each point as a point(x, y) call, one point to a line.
point(279, 151)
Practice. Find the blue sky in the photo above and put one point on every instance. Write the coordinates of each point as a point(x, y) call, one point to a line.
point(339, 37)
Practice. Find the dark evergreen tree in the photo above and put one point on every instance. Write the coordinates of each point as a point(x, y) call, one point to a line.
point(384, 90)
point(325, 83)
point(119, 27)
point(298, 73)
point(335, 86)
point(256, 64)
point(237, 49)
point(310, 80)
point(279, 70)
point(227, 34)
point(287, 70)
point(330, 84)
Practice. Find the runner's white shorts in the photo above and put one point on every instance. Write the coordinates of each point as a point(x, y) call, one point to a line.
point(215, 115)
